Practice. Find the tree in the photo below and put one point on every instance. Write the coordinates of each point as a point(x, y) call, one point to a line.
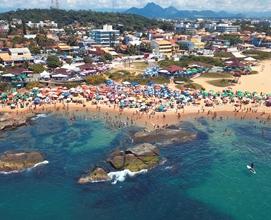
point(233, 39)
point(36, 68)
point(72, 41)
point(88, 59)
point(145, 47)
point(106, 57)
point(53, 61)
point(34, 49)
point(43, 41)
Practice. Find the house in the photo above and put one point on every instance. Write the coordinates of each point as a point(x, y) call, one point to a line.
point(15, 55)
point(20, 55)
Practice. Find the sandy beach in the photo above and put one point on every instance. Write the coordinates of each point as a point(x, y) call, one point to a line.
point(116, 117)
point(253, 83)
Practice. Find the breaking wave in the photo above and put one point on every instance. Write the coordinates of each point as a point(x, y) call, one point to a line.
point(120, 176)
point(28, 169)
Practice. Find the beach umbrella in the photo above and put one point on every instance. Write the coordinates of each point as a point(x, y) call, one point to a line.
point(37, 101)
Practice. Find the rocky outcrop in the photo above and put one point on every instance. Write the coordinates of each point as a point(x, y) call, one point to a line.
point(134, 159)
point(19, 161)
point(8, 121)
point(96, 175)
point(143, 156)
point(164, 136)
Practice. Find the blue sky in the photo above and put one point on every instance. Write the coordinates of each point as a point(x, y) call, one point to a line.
point(217, 5)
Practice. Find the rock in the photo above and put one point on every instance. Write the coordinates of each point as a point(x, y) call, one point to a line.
point(139, 157)
point(19, 161)
point(164, 136)
point(144, 149)
point(117, 159)
point(8, 121)
point(96, 175)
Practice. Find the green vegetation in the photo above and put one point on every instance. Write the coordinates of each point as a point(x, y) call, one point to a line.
point(4, 86)
point(106, 57)
point(88, 59)
point(257, 54)
point(222, 54)
point(129, 22)
point(36, 68)
point(186, 60)
point(31, 85)
point(124, 75)
point(119, 75)
point(216, 75)
point(233, 39)
point(53, 62)
point(43, 41)
point(221, 82)
point(190, 85)
point(95, 80)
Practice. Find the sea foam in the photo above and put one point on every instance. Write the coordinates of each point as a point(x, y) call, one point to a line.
point(28, 169)
point(120, 176)
point(39, 116)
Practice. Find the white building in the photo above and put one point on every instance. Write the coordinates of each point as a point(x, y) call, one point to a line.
point(42, 24)
point(227, 28)
point(107, 36)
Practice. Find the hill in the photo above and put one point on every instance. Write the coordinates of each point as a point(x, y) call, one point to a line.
point(152, 10)
point(129, 22)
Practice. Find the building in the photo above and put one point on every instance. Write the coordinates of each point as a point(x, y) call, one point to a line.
point(227, 28)
point(15, 55)
point(262, 41)
point(42, 24)
point(107, 36)
point(162, 48)
point(4, 26)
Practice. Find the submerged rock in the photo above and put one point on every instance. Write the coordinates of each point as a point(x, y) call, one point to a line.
point(96, 175)
point(164, 136)
point(19, 161)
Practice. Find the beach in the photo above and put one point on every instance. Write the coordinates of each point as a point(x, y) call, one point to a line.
point(150, 120)
point(253, 83)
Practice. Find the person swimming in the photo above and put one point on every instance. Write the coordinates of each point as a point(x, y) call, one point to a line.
point(251, 168)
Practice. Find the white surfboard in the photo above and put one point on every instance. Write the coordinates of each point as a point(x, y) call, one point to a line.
point(251, 169)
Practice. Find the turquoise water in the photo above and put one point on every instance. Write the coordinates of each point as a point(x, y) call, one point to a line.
point(204, 179)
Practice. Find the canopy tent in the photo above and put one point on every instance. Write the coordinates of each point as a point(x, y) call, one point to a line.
point(59, 76)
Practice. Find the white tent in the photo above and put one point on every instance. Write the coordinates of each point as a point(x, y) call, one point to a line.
point(59, 76)
point(8, 75)
point(250, 59)
point(45, 74)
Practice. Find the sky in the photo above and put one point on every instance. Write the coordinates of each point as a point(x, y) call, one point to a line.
point(216, 5)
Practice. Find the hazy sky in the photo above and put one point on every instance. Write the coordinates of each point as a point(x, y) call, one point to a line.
point(228, 5)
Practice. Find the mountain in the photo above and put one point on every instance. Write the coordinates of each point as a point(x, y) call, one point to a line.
point(152, 10)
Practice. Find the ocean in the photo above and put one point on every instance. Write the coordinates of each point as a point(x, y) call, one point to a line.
point(206, 178)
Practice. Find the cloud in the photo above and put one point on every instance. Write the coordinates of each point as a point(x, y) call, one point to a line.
point(218, 5)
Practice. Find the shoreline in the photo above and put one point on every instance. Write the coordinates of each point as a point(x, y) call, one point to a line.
point(150, 120)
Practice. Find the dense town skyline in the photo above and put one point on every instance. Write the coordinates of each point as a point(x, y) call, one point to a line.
point(216, 5)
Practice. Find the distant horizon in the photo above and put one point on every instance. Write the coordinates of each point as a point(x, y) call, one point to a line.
point(122, 5)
